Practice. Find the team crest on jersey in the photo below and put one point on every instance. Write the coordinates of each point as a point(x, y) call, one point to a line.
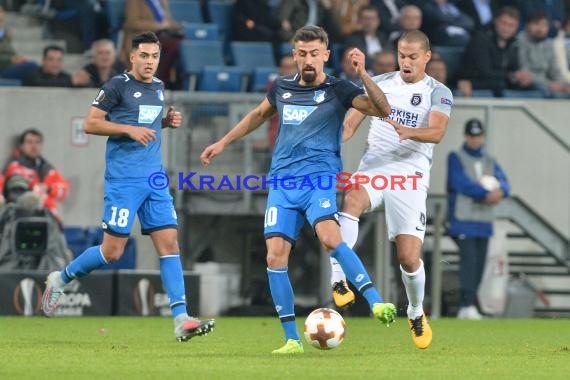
point(295, 115)
point(319, 96)
point(324, 202)
point(416, 99)
point(147, 114)
point(160, 95)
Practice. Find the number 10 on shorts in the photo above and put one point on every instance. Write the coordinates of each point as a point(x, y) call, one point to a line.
point(270, 217)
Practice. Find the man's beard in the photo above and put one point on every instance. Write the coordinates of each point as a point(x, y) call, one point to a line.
point(309, 76)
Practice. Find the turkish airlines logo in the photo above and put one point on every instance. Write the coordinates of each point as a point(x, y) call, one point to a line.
point(27, 298)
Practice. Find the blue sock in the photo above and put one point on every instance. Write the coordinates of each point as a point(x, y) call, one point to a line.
point(284, 300)
point(173, 281)
point(355, 273)
point(92, 258)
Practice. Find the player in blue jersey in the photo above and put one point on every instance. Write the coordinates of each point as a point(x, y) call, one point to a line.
point(311, 107)
point(129, 110)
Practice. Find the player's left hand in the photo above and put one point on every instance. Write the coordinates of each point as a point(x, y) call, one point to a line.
point(210, 152)
point(357, 58)
point(405, 133)
point(173, 118)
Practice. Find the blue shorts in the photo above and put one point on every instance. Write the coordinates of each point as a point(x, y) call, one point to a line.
point(123, 199)
point(286, 210)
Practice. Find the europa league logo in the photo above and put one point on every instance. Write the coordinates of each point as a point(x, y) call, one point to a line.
point(27, 297)
point(143, 296)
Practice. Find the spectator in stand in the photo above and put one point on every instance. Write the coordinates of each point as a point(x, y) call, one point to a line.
point(253, 20)
point(103, 66)
point(390, 12)
point(437, 69)
point(384, 62)
point(480, 11)
point(155, 16)
point(12, 65)
point(347, 69)
point(51, 73)
point(370, 39)
point(536, 54)
point(46, 182)
point(491, 60)
point(562, 50)
point(410, 19)
point(294, 14)
point(445, 24)
point(347, 13)
point(555, 12)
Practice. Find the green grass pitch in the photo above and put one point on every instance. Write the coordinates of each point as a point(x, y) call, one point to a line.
point(239, 348)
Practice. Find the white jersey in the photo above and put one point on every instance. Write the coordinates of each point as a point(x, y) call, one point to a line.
point(411, 104)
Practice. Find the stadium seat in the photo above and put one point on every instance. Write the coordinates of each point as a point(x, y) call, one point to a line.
point(452, 56)
point(204, 32)
point(220, 79)
point(260, 78)
point(186, 11)
point(475, 93)
point(220, 13)
point(285, 49)
point(194, 55)
point(249, 55)
point(525, 94)
point(76, 239)
point(5, 82)
point(94, 236)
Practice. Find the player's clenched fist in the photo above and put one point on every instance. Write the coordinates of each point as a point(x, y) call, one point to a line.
point(173, 118)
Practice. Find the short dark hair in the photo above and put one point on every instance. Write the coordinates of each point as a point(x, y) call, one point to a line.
point(144, 38)
point(49, 48)
point(536, 17)
point(509, 11)
point(416, 36)
point(311, 33)
point(30, 131)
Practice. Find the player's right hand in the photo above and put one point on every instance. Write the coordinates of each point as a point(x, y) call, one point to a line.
point(142, 135)
point(210, 152)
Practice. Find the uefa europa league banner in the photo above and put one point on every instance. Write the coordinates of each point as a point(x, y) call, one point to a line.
point(21, 294)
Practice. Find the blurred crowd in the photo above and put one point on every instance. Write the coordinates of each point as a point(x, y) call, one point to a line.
point(481, 47)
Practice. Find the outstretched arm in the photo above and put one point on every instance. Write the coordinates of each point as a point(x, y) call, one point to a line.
point(375, 102)
point(253, 120)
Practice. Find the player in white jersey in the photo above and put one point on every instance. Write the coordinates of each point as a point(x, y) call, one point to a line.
point(394, 170)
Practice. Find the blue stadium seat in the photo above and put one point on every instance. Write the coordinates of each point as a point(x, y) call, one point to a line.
point(452, 56)
point(249, 55)
point(76, 239)
point(525, 94)
point(220, 79)
point(285, 49)
point(220, 13)
point(5, 82)
point(204, 32)
point(186, 11)
point(115, 11)
point(194, 55)
point(94, 236)
point(261, 77)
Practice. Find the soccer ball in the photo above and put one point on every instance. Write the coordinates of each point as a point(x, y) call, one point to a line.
point(324, 329)
point(489, 182)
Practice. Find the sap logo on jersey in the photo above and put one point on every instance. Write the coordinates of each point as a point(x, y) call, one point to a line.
point(295, 115)
point(147, 114)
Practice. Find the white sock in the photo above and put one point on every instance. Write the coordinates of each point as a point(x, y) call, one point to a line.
point(337, 273)
point(348, 228)
point(415, 289)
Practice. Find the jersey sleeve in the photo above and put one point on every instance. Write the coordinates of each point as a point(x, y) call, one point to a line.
point(272, 93)
point(441, 100)
point(108, 97)
point(346, 92)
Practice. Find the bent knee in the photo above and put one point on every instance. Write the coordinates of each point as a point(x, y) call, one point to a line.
point(355, 202)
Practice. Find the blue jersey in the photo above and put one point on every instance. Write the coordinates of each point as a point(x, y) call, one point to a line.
point(129, 101)
point(310, 125)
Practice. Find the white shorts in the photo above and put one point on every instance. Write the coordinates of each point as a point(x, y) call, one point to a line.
point(402, 188)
